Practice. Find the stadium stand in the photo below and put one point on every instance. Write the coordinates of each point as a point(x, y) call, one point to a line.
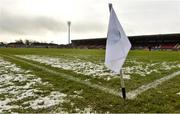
point(150, 42)
point(16, 45)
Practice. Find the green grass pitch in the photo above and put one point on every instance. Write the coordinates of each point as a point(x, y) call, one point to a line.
point(141, 68)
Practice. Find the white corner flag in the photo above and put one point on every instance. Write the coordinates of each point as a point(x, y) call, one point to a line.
point(117, 44)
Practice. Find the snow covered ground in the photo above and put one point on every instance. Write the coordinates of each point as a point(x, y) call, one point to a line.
point(21, 90)
point(77, 65)
point(178, 93)
point(145, 69)
point(99, 70)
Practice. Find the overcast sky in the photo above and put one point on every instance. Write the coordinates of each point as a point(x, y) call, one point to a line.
point(46, 20)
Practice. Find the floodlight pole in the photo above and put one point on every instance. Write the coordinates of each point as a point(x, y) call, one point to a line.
point(121, 71)
point(69, 31)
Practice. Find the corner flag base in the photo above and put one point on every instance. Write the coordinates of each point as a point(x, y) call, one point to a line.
point(124, 93)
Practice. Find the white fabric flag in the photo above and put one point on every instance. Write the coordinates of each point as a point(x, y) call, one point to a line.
point(117, 44)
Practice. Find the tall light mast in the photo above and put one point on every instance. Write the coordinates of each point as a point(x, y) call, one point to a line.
point(69, 31)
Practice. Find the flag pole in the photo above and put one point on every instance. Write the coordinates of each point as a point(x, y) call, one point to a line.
point(122, 85)
point(110, 6)
point(121, 71)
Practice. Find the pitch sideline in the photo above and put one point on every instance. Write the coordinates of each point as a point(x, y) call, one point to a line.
point(134, 93)
point(130, 95)
point(63, 75)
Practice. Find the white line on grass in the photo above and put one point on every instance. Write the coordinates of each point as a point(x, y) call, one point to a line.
point(133, 94)
point(107, 90)
point(130, 95)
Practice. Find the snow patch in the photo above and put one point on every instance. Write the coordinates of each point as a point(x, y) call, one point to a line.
point(77, 65)
point(18, 85)
point(53, 99)
point(99, 70)
point(178, 93)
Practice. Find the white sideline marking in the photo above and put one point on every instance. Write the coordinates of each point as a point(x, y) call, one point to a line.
point(134, 93)
point(107, 90)
point(130, 95)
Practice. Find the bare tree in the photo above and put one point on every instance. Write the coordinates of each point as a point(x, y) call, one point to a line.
point(19, 41)
point(27, 42)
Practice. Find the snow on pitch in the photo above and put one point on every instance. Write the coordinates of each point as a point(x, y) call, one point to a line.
point(21, 86)
point(77, 65)
point(99, 70)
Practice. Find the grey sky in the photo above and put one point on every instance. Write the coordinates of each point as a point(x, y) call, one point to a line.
point(45, 20)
